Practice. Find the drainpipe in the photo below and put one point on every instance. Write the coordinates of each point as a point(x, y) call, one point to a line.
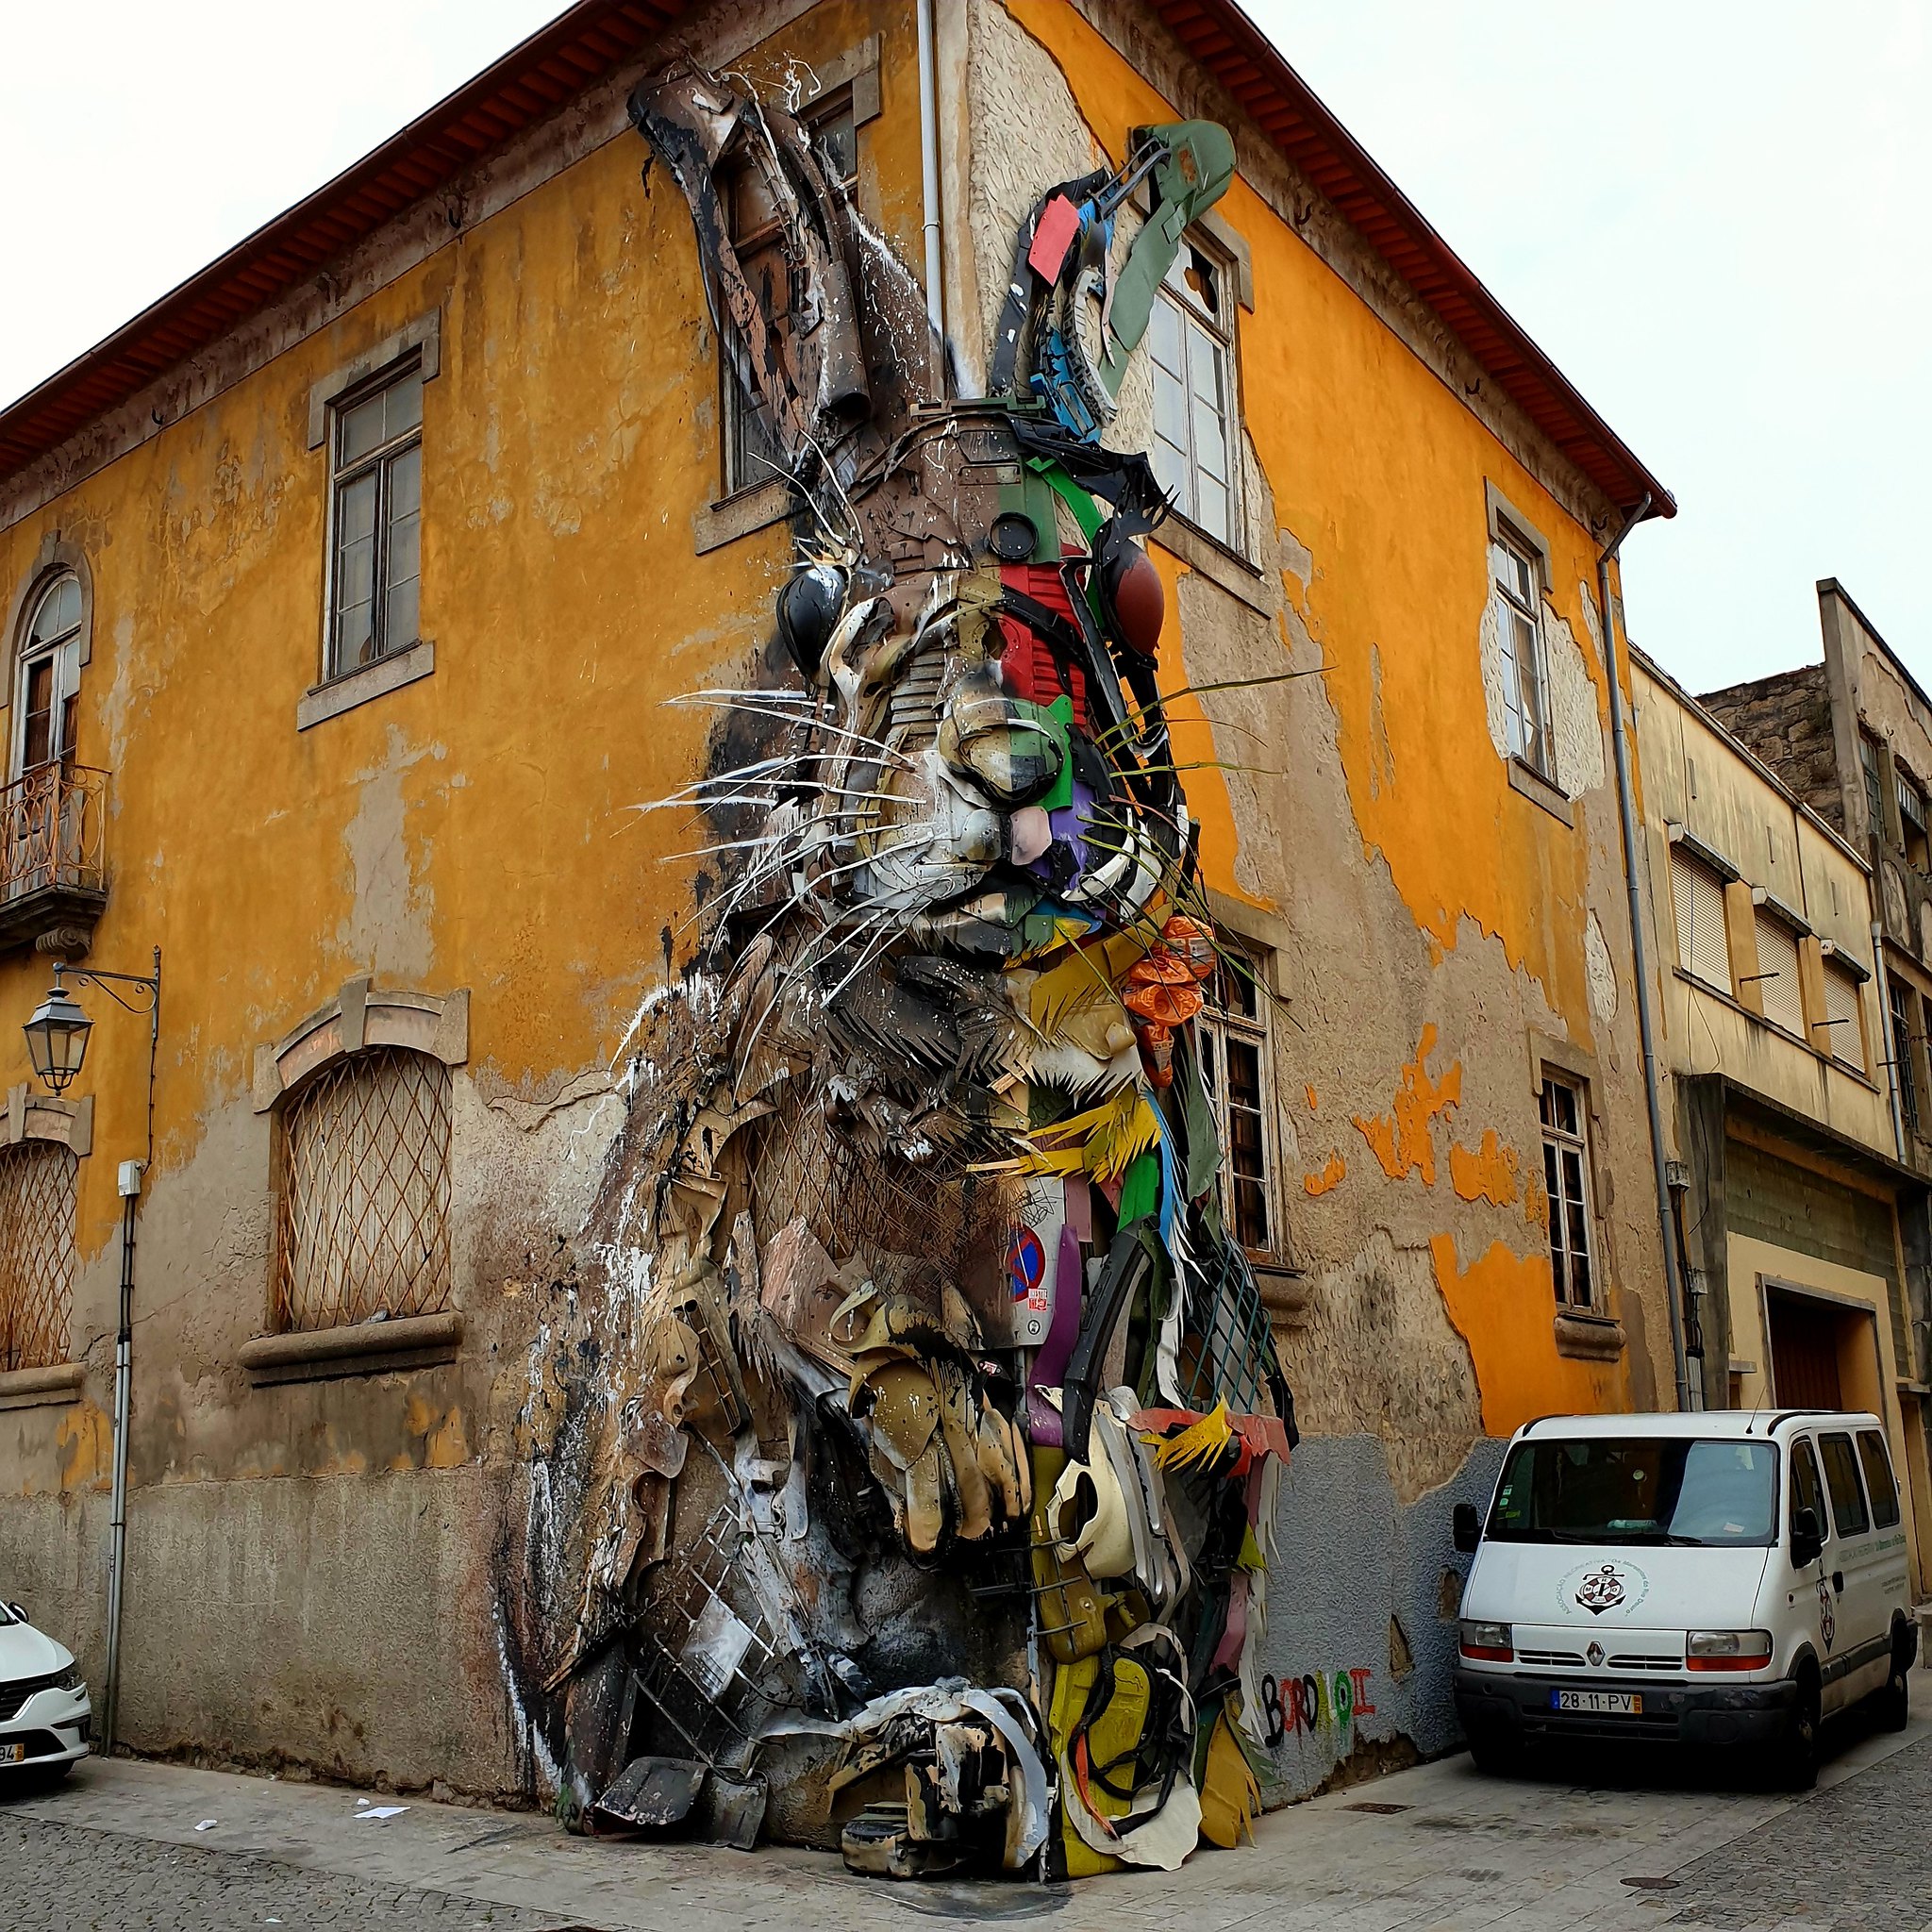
point(1640, 962)
point(929, 189)
point(124, 1374)
point(1898, 1047)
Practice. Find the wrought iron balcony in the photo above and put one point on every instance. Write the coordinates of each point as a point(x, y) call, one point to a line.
point(52, 855)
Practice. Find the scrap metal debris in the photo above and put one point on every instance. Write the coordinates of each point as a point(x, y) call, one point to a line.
point(909, 1487)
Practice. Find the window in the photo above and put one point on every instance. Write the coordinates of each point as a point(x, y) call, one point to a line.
point(363, 1192)
point(1807, 1492)
point(1234, 1067)
point(1566, 1178)
point(48, 691)
point(1848, 1515)
point(1780, 991)
point(1911, 814)
point(1638, 1490)
point(1874, 791)
point(1191, 338)
point(376, 519)
point(1516, 569)
point(751, 452)
point(1698, 893)
point(1841, 1033)
point(37, 1190)
point(1903, 1037)
point(1880, 1484)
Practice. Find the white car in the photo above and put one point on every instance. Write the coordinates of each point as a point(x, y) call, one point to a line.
point(46, 1716)
point(1727, 1579)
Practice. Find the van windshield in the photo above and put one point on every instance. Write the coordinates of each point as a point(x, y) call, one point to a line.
point(1638, 1489)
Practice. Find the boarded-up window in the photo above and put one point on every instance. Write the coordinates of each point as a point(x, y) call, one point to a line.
point(1778, 986)
point(362, 1193)
point(37, 1188)
point(1846, 1042)
point(1699, 893)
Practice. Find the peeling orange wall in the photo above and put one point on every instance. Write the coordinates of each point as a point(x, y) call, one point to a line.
point(1501, 1304)
point(1378, 468)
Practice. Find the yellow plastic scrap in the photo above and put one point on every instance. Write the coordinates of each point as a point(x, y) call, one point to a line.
point(1230, 1793)
point(1112, 1734)
point(1104, 1141)
point(1199, 1442)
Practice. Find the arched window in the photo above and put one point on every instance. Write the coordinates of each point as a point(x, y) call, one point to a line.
point(362, 1191)
point(48, 691)
point(37, 1194)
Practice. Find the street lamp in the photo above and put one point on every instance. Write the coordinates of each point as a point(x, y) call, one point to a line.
point(56, 1037)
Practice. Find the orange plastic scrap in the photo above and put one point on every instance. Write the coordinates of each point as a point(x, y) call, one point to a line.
point(1260, 1435)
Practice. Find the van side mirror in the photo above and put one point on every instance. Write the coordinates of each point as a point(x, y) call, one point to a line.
point(1807, 1539)
point(18, 1612)
point(1469, 1528)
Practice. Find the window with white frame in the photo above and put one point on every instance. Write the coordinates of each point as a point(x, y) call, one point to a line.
point(376, 519)
point(1235, 1070)
point(1911, 814)
point(749, 443)
point(48, 691)
point(363, 1192)
point(1196, 429)
point(1566, 1180)
point(1516, 568)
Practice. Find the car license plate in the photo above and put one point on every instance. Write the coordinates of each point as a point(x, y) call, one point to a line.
point(13, 1754)
point(1605, 1702)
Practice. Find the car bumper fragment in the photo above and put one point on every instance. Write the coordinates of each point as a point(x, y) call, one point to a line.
point(1515, 1707)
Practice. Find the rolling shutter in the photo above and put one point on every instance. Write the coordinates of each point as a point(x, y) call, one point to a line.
point(1777, 955)
point(1842, 1007)
point(1699, 893)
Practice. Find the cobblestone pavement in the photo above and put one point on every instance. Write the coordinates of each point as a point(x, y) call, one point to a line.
point(1857, 1859)
point(1650, 1847)
point(67, 1878)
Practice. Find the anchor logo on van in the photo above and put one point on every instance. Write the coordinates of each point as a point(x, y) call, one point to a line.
point(1601, 1591)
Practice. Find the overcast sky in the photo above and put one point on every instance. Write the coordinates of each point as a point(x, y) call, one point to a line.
point(1715, 215)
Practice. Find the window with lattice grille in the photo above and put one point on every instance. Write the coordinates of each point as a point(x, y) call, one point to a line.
point(37, 1189)
point(363, 1192)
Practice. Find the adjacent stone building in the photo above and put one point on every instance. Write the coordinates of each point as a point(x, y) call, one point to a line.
point(351, 588)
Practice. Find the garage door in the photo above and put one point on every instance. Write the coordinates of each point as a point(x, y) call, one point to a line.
point(1803, 1353)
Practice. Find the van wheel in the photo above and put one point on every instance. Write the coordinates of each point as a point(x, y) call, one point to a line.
point(1495, 1755)
point(1797, 1761)
point(1892, 1705)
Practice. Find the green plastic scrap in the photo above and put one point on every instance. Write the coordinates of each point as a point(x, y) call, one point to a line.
point(1195, 175)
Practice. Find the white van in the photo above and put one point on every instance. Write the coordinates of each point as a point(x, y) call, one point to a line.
point(1728, 1577)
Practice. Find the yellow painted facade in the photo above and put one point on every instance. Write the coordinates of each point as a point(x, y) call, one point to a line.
point(1442, 933)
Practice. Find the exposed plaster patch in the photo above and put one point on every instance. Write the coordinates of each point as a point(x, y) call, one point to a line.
point(1404, 1139)
point(1296, 560)
point(1381, 754)
point(1384, 1361)
point(1599, 970)
point(387, 925)
point(1576, 726)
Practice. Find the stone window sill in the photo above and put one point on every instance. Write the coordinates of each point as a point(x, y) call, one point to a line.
point(741, 514)
point(365, 1348)
point(1284, 1290)
point(1538, 789)
point(1588, 1337)
point(45, 1388)
point(1215, 561)
point(336, 695)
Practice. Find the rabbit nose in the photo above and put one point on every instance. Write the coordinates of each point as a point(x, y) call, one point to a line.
point(1001, 744)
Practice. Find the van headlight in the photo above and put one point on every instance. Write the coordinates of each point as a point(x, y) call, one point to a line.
point(1490, 1643)
point(71, 1679)
point(1727, 1650)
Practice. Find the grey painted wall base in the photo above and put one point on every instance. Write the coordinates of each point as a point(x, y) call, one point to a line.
point(1361, 1611)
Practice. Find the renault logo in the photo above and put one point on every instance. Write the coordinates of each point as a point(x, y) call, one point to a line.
point(1595, 1655)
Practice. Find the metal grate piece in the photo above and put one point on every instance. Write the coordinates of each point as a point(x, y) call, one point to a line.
point(37, 1189)
point(362, 1204)
point(1229, 1349)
